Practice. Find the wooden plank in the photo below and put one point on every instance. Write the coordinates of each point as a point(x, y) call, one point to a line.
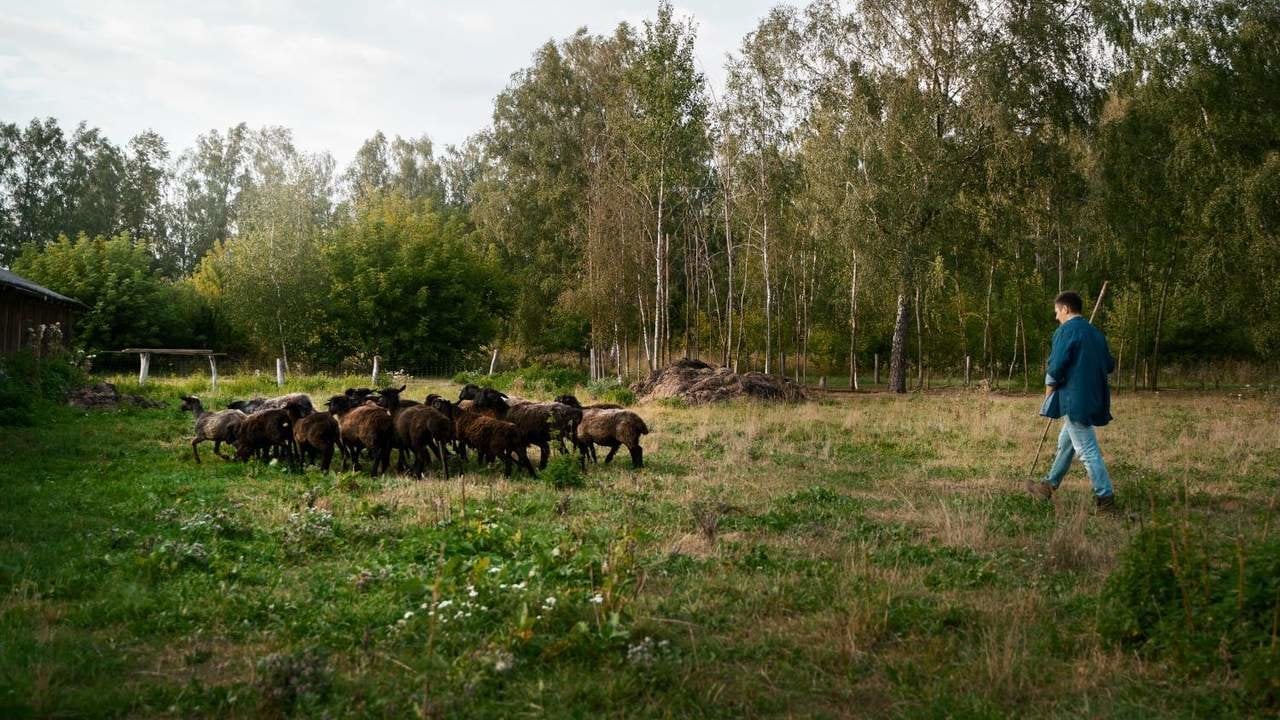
point(168, 351)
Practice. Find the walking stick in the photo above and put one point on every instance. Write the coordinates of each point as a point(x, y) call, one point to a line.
point(1101, 294)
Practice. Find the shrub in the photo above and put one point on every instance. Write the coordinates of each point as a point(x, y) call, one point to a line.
point(612, 391)
point(290, 680)
point(564, 472)
point(26, 381)
point(309, 530)
point(1202, 601)
point(537, 378)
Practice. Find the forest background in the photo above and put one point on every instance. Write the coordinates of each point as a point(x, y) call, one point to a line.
point(911, 181)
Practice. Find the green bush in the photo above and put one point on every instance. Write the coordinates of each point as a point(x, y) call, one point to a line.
point(26, 381)
point(610, 390)
point(1200, 600)
point(564, 471)
point(537, 378)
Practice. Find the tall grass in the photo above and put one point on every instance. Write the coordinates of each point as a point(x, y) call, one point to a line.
point(870, 556)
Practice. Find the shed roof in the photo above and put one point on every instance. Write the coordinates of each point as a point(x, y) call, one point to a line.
point(23, 285)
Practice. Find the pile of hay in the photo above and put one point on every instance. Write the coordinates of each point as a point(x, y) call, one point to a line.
point(105, 395)
point(696, 382)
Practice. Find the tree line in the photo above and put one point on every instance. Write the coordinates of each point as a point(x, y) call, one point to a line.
point(908, 179)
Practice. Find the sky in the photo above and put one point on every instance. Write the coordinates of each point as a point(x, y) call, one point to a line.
point(332, 72)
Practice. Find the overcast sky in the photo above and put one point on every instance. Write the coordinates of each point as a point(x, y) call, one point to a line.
point(333, 72)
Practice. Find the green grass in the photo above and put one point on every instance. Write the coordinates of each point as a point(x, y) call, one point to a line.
point(867, 556)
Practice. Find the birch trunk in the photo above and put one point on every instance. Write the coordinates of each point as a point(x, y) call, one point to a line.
point(898, 351)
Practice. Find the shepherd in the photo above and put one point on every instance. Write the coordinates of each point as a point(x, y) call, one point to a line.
point(1077, 391)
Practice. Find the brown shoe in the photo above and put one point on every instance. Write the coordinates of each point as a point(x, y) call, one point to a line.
point(1106, 504)
point(1040, 490)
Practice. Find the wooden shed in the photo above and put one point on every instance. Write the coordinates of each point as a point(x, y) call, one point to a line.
point(25, 306)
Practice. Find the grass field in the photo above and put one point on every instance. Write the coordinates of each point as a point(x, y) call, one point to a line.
point(866, 556)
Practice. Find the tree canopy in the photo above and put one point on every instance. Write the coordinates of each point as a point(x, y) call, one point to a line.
point(914, 179)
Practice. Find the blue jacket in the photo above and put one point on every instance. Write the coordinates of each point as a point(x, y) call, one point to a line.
point(1078, 368)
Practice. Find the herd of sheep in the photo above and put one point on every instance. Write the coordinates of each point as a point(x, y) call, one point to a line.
point(375, 422)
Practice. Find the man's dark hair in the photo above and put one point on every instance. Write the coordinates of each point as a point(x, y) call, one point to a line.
point(1071, 299)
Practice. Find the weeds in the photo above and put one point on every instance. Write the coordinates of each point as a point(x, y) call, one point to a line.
point(866, 556)
point(564, 471)
point(1199, 599)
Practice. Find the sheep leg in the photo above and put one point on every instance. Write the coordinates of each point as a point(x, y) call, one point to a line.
point(217, 444)
point(506, 464)
point(637, 456)
point(400, 466)
point(419, 461)
point(444, 461)
point(613, 450)
point(326, 458)
point(524, 460)
point(545, 449)
point(383, 460)
point(194, 451)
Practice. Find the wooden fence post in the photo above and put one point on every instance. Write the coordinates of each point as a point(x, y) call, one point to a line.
point(493, 361)
point(877, 373)
point(279, 372)
point(376, 368)
point(213, 373)
point(966, 370)
point(144, 367)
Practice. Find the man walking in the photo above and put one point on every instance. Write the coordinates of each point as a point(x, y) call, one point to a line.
point(1076, 390)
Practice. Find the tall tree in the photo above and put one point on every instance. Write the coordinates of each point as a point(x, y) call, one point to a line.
point(211, 177)
point(668, 139)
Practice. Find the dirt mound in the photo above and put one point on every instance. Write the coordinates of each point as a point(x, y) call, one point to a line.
point(696, 382)
point(105, 395)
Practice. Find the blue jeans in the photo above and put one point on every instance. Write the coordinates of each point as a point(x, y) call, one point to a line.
point(1077, 439)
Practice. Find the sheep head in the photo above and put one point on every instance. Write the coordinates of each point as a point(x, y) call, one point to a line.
point(444, 407)
point(339, 404)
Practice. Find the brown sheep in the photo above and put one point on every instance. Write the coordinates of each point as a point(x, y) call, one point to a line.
point(220, 426)
point(540, 423)
point(368, 427)
point(422, 430)
point(492, 439)
point(301, 400)
point(612, 429)
point(572, 401)
point(265, 432)
point(317, 433)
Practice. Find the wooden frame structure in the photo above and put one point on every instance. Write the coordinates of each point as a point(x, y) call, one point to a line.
point(25, 305)
point(144, 361)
